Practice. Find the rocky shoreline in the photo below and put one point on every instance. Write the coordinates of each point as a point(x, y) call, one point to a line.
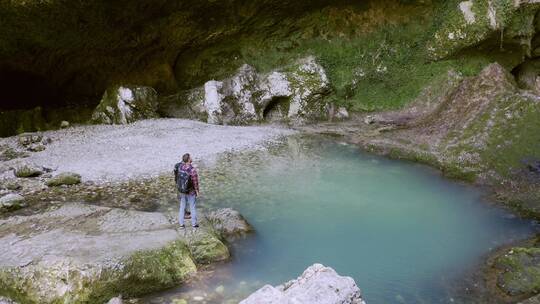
point(78, 253)
point(58, 245)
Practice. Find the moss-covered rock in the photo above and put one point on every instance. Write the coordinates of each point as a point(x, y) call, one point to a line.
point(519, 271)
point(86, 254)
point(206, 247)
point(26, 170)
point(64, 178)
point(126, 104)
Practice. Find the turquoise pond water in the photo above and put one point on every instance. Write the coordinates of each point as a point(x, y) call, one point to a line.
point(400, 229)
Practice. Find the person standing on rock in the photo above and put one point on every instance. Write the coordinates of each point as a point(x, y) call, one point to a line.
point(187, 183)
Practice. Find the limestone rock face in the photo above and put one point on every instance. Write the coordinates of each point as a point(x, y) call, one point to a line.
point(126, 104)
point(294, 93)
point(317, 285)
point(472, 22)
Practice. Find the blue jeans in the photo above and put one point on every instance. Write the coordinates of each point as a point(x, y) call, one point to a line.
point(191, 199)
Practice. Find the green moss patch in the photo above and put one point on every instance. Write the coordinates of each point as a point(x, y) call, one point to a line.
point(519, 271)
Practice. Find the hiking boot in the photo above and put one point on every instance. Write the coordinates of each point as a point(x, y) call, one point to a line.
point(196, 226)
point(182, 226)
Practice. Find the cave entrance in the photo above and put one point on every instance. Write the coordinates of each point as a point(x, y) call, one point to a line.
point(26, 90)
point(277, 109)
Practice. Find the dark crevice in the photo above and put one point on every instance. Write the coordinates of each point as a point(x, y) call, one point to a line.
point(276, 109)
point(22, 90)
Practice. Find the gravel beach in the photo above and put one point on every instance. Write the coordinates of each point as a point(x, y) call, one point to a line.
point(104, 153)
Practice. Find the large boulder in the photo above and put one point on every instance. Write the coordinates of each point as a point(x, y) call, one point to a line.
point(317, 285)
point(229, 222)
point(294, 93)
point(87, 254)
point(80, 253)
point(126, 104)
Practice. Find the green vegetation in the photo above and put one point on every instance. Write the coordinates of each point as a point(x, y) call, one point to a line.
point(516, 139)
point(520, 271)
point(65, 178)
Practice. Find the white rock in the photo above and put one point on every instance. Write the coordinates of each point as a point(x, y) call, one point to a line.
point(492, 15)
point(4, 300)
point(64, 124)
point(466, 9)
point(317, 285)
point(115, 300)
point(212, 100)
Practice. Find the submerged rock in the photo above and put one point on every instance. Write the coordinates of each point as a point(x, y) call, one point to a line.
point(10, 202)
point(65, 178)
point(317, 285)
point(126, 104)
point(293, 93)
point(206, 247)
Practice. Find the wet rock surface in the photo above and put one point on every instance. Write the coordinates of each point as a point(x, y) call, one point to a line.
point(317, 285)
